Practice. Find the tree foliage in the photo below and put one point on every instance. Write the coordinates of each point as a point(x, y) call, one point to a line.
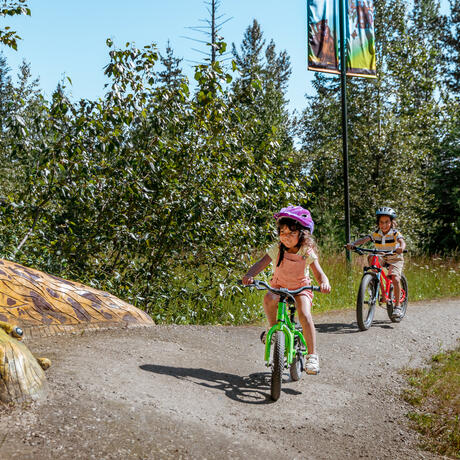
point(10, 37)
point(152, 191)
point(160, 192)
point(395, 128)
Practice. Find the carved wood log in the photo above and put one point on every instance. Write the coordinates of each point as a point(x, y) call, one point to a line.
point(21, 376)
point(42, 305)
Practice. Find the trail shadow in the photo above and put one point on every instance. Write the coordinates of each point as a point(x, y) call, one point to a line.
point(251, 389)
point(348, 328)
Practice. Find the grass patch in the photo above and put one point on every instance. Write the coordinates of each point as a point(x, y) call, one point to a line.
point(427, 277)
point(196, 298)
point(434, 393)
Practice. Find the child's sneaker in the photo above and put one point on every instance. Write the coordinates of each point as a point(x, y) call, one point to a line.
point(397, 312)
point(312, 364)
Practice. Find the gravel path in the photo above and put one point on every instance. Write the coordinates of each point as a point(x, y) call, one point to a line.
point(199, 392)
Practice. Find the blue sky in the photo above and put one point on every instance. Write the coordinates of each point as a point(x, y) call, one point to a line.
point(69, 37)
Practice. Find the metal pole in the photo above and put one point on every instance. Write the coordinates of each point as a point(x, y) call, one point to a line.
point(343, 86)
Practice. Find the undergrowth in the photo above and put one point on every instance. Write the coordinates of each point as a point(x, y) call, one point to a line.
point(227, 303)
point(434, 393)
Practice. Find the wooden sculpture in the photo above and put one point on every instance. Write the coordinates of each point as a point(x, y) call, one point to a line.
point(34, 304)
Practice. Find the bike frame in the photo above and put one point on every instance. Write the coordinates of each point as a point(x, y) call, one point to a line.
point(285, 323)
point(385, 282)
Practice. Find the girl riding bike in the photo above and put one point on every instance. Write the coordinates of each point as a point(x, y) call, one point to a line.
point(293, 255)
point(387, 237)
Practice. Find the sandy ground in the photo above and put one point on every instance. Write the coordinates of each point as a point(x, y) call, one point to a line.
point(172, 392)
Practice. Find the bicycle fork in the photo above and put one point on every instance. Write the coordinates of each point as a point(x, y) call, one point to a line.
point(284, 325)
point(374, 299)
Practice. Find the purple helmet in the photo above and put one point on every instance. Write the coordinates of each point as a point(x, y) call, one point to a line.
point(299, 214)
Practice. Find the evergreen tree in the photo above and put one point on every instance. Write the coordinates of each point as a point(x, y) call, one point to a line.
point(172, 74)
point(260, 92)
point(450, 27)
point(443, 214)
point(5, 91)
point(392, 124)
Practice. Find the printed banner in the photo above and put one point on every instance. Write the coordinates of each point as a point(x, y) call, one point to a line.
point(323, 37)
point(360, 39)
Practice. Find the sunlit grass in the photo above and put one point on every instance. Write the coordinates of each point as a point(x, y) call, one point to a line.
point(432, 277)
point(197, 299)
point(428, 278)
point(434, 393)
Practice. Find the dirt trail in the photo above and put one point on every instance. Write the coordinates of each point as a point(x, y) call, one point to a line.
point(171, 392)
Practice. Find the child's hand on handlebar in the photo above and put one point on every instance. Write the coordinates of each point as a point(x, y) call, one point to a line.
point(247, 280)
point(325, 287)
point(350, 246)
point(398, 251)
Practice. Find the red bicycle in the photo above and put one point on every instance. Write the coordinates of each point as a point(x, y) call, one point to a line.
point(369, 294)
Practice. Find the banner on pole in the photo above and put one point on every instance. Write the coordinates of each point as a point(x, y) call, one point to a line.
point(323, 37)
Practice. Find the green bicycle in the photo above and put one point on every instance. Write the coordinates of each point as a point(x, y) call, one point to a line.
point(289, 346)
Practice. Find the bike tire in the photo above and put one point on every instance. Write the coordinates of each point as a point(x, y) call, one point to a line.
point(367, 300)
point(405, 292)
point(277, 365)
point(298, 364)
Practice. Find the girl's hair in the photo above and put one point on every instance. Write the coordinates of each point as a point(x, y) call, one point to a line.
point(305, 237)
point(394, 224)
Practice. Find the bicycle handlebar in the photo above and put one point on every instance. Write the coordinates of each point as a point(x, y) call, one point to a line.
point(262, 286)
point(373, 251)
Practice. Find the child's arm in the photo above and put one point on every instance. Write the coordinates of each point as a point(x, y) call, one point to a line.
point(358, 242)
point(256, 269)
point(320, 277)
point(402, 246)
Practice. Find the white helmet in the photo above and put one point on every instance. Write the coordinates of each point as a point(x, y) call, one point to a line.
point(386, 211)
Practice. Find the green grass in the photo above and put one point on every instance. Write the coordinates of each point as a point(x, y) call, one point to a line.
point(434, 393)
point(427, 278)
point(198, 299)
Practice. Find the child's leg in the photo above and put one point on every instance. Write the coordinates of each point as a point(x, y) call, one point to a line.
point(303, 305)
point(271, 307)
point(397, 288)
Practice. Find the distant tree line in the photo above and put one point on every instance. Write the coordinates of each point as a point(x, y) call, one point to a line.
point(403, 131)
point(161, 189)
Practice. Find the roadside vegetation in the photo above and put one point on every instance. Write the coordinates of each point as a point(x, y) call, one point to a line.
point(428, 278)
point(434, 392)
point(162, 190)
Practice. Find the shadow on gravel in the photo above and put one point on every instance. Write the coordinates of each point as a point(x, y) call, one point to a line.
point(344, 328)
point(251, 389)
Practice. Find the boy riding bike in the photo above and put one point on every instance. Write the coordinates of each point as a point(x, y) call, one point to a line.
point(387, 237)
point(293, 256)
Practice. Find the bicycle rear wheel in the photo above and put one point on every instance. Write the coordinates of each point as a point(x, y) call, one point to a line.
point(367, 300)
point(403, 298)
point(277, 365)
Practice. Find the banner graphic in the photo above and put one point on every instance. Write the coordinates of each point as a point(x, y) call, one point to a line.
point(323, 37)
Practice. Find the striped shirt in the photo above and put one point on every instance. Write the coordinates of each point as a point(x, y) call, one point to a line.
point(388, 242)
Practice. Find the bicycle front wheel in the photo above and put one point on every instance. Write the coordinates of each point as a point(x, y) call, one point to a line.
point(277, 365)
point(367, 300)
